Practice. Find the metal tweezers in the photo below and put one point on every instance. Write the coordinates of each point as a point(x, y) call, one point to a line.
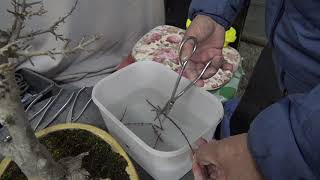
point(183, 62)
point(70, 117)
point(56, 115)
point(46, 109)
point(39, 96)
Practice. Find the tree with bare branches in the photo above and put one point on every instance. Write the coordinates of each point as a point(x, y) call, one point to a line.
point(21, 145)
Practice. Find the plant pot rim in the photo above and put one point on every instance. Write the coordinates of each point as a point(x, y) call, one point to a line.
point(116, 147)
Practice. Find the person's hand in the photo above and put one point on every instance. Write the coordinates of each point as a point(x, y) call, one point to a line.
point(225, 159)
point(210, 36)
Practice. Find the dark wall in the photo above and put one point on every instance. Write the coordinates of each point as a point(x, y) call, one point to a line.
point(177, 12)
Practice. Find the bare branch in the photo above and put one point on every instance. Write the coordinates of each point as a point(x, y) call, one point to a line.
point(52, 29)
point(41, 11)
point(5, 49)
point(157, 109)
point(25, 13)
point(27, 5)
point(143, 124)
point(14, 25)
point(158, 137)
point(158, 112)
point(19, 10)
point(51, 53)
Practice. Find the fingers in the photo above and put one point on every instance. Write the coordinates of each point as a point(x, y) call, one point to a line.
point(187, 50)
point(205, 157)
point(206, 154)
point(201, 141)
point(205, 161)
point(217, 62)
point(204, 55)
point(193, 69)
point(203, 29)
point(211, 71)
point(227, 67)
point(198, 172)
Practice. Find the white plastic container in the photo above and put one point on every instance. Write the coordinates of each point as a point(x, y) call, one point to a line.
point(197, 112)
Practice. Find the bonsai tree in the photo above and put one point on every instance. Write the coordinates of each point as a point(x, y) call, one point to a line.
point(21, 144)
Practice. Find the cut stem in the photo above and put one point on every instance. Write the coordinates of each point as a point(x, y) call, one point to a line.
point(172, 121)
point(175, 124)
point(124, 114)
point(142, 124)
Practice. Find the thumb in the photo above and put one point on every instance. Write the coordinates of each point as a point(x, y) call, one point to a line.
point(188, 44)
point(201, 29)
point(197, 172)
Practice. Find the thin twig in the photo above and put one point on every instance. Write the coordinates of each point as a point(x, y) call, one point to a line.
point(19, 10)
point(175, 124)
point(6, 48)
point(52, 29)
point(27, 5)
point(41, 11)
point(157, 132)
point(15, 21)
point(142, 124)
point(158, 111)
point(158, 137)
point(124, 114)
point(24, 13)
point(81, 46)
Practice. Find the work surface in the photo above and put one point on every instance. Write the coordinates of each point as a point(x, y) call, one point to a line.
point(91, 116)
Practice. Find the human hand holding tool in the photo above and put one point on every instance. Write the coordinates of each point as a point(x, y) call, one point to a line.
point(183, 60)
point(229, 159)
point(210, 36)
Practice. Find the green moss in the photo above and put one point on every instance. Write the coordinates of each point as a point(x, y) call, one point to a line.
point(101, 162)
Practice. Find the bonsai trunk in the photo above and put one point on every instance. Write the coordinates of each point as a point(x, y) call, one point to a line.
point(22, 146)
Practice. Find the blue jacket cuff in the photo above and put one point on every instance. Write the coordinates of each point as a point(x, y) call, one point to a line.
point(222, 11)
point(220, 20)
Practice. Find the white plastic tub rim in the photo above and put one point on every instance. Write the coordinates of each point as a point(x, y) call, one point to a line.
point(161, 154)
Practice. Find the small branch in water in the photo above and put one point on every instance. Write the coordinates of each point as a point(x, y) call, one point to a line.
point(157, 110)
point(142, 124)
point(175, 124)
point(172, 121)
point(124, 114)
point(158, 137)
point(154, 127)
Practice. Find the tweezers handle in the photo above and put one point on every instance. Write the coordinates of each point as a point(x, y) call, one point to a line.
point(193, 82)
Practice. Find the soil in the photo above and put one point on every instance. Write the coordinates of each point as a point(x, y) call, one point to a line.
point(101, 162)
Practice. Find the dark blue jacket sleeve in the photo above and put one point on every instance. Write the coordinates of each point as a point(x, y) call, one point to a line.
point(222, 11)
point(284, 139)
